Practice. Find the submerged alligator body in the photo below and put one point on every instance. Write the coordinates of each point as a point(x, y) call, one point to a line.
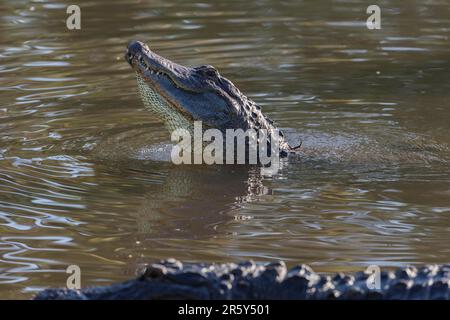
point(172, 279)
point(179, 95)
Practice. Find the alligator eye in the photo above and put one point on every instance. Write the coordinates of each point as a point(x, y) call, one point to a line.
point(207, 70)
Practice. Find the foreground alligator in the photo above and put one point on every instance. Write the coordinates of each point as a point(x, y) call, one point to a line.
point(172, 279)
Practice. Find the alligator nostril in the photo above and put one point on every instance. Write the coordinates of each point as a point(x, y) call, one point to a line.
point(128, 57)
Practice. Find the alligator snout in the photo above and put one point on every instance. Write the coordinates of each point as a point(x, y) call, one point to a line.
point(133, 48)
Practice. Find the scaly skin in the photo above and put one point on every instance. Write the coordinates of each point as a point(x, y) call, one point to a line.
point(172, 279)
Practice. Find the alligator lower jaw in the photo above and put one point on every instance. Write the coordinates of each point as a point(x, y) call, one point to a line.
point(163, 109)
point(172, 279)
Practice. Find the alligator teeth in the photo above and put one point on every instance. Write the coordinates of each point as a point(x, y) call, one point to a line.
point(154, 72)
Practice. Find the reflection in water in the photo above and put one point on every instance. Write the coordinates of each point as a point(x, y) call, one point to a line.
point(372, 185)
point(197, 198)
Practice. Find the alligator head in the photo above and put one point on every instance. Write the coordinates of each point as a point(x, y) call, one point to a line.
point(180, 95)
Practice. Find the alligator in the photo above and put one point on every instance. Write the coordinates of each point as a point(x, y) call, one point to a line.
point(172, 279)
point(179, 95)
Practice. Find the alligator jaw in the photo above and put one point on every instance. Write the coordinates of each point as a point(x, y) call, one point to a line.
point(152, 71)
point(155, 68)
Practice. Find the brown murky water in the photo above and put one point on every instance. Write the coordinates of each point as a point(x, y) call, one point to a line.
point(372, 106)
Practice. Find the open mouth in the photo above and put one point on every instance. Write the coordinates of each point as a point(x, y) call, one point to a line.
point(141, 59)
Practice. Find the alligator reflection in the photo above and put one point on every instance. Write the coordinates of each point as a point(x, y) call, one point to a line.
point(197, 199)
